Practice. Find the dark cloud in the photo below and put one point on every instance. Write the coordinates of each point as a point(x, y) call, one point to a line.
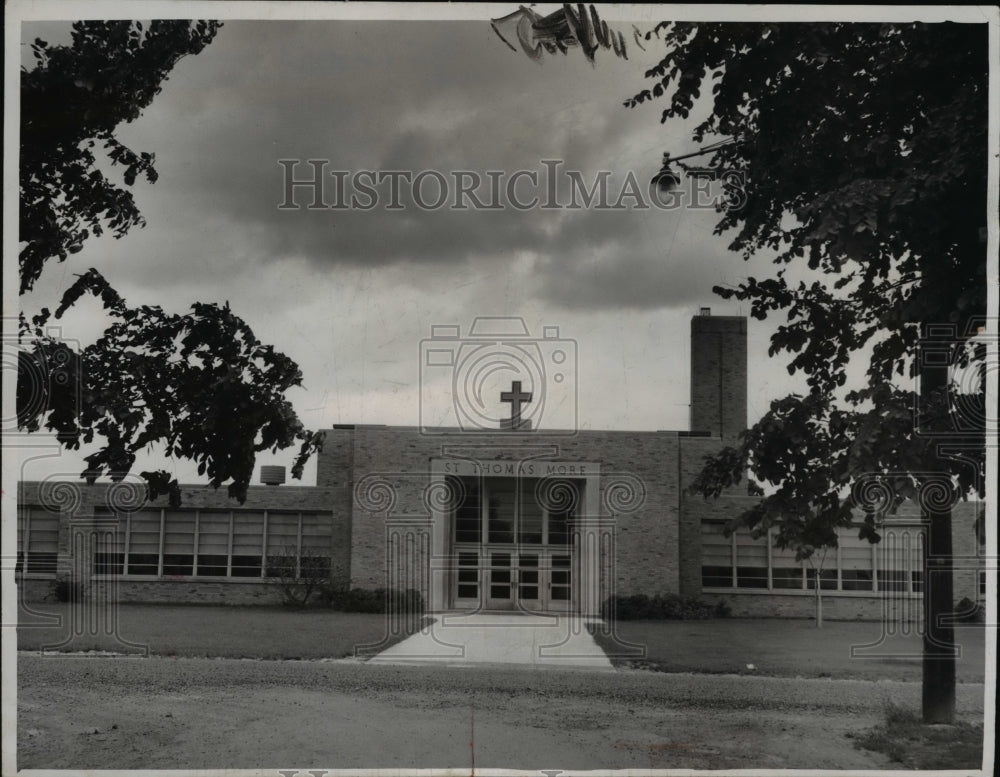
point(416, 96)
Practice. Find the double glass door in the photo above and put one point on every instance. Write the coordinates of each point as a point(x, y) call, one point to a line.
point(536, 581)
point(513, 542)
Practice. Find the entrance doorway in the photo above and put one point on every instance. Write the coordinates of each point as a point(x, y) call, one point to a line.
point(513, 541)
point(533, 581)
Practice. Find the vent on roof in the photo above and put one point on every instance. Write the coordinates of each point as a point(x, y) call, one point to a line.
point(272, 476)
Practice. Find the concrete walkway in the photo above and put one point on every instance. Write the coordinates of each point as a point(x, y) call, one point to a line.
point(466, 639)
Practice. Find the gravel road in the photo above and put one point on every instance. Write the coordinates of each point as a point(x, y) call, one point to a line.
point(90, 712)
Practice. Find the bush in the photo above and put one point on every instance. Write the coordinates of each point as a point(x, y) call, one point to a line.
point(662, 607)
point(298, 577)
point(379, 600)
point(968, 611)
point(67, 590)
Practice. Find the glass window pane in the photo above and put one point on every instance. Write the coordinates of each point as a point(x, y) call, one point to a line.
point(178, 542)
point(213, 544)
point(316, 534)
point(109, 553)
point(530, 524)
point(144, 543)
point(501, 509)
point(751, 561)
point(717, 577)
point(212, 565)
point(178, 563)
point(786, 577)
point(828, 579)
point(248, 532)
point(213, 533)
point(43, 542)
point(856, 579)
point(467, 513)
point(282, 534)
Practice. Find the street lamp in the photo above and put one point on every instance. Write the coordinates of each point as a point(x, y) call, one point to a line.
point(668, 179)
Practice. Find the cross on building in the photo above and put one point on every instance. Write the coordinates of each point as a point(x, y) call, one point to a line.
point(515, 396)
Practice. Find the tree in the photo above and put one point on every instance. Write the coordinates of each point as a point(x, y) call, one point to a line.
point(863, 163)
point(201, 385)
point(862, 151)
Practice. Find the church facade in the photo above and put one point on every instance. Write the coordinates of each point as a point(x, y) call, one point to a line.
point(512, 518)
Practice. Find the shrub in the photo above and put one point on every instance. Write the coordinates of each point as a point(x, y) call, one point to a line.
point(662, 607)
point(66, 589)
point(298, 576)
point(968, 611)
point(379, 600)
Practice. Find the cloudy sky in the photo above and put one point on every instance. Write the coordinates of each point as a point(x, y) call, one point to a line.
point(350, 295)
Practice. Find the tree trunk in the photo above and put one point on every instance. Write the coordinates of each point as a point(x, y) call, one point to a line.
point(938, 691)
point(938, 697)
point(819, 600)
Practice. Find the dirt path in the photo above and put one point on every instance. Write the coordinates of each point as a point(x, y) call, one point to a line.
point(208, 713)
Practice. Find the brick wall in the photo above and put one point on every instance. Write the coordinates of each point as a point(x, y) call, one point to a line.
point(719, 375)
point(646, 538)
point(77, 503)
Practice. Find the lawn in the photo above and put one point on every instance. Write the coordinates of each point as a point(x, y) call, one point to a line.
point(783, 647)
point(204, 630)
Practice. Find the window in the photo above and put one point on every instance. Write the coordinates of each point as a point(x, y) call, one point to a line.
point(531, 524)
point(468, 515)
point(178, 542)
point(786, 572)
point(37, 541)
point(515, 510)
point(215, 544)
point(716, 556)
point(751, 562)
point(314, 556)
point(109, 556)
point(500, 502)
point(739, 561)
point(143, 556)
point(248, 528)
point(856, 568)
point(897, 559)
point(468, 575)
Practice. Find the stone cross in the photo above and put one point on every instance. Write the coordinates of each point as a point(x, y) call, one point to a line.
point(515, 396)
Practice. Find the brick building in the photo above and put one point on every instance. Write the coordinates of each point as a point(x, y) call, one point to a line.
point(491, 518)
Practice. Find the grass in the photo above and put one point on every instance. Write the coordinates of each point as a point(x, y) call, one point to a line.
point(910, 743)
point(205, 630)
point(783, 647)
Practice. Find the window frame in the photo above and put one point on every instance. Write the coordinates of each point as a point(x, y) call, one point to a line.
point(907, 574)
point(268, 521)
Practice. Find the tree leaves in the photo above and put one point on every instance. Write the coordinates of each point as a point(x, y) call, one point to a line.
point(865, 164)
point(73, 100)
point(199, 384)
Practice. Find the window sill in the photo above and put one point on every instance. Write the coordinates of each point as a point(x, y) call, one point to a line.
point(810, 593)
point(181, 579)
